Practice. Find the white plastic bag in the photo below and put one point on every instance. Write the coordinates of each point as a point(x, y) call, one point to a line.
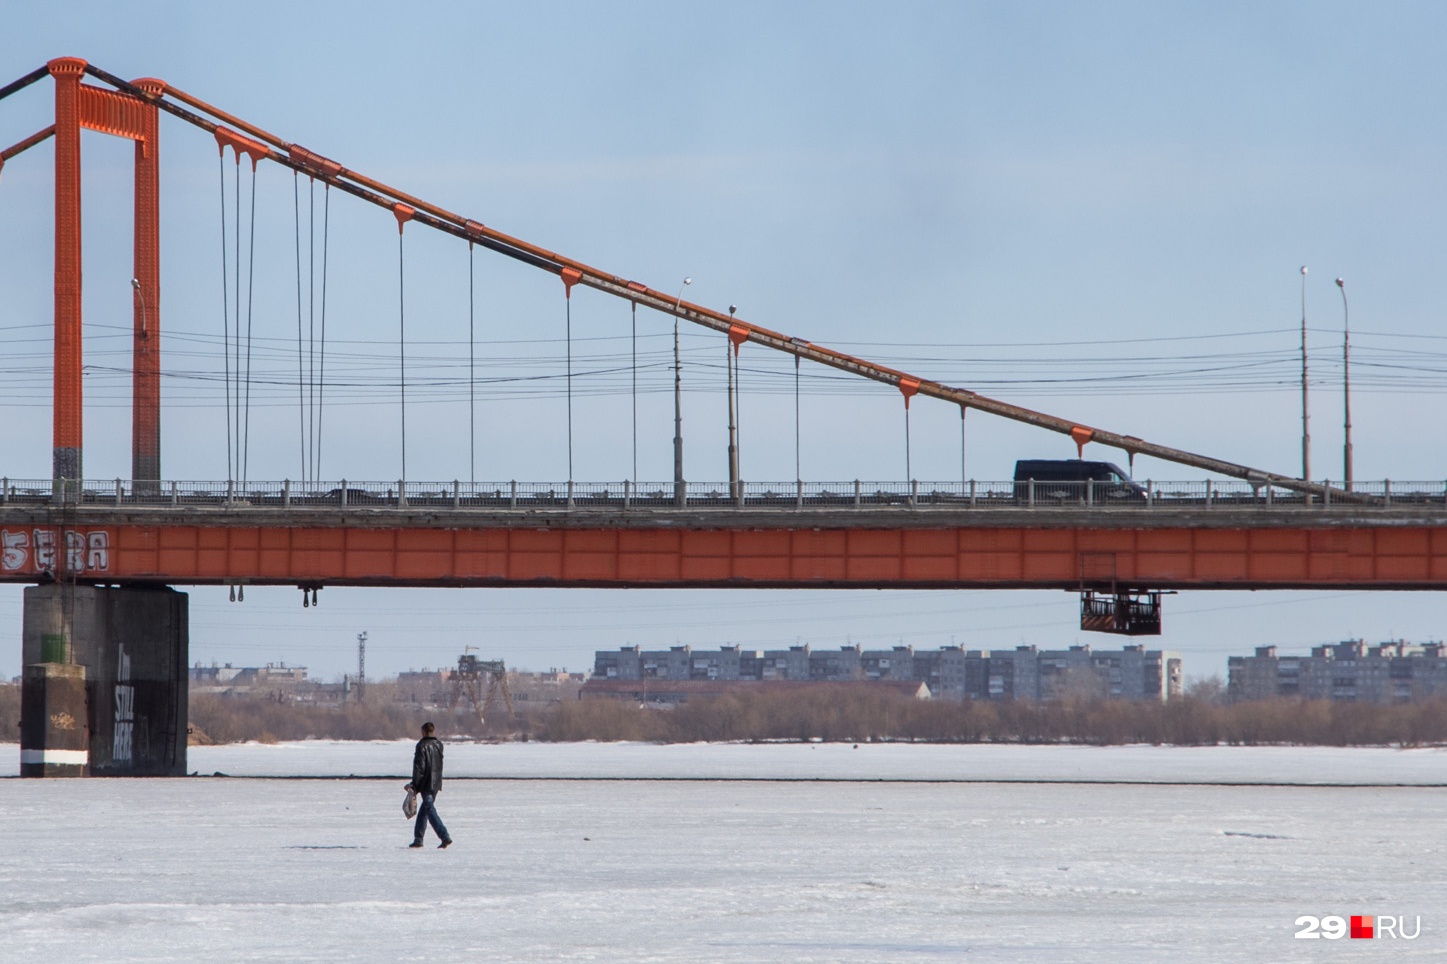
point(409, 805)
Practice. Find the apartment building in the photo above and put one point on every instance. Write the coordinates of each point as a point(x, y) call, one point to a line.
point(950, 672)
point(1391, 672)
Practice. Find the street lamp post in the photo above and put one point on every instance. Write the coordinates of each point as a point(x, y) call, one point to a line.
point(1305, 418)
point(1346, 385)
point(730, 362)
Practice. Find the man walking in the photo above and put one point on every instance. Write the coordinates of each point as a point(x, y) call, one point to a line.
point(427, 782)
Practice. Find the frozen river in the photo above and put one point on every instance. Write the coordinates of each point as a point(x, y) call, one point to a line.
point(733, 853)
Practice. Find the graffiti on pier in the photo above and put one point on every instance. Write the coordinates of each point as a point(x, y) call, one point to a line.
point(125, 722)
point(40, 550)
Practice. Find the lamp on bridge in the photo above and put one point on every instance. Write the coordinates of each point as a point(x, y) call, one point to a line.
point(141, 296)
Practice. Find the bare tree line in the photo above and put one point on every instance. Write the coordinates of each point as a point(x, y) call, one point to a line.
point(830, 713)
point(819, 714)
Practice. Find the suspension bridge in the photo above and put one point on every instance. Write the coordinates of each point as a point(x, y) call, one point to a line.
point(100, 555)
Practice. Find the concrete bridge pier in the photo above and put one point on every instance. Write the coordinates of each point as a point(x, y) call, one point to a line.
point(105, 682)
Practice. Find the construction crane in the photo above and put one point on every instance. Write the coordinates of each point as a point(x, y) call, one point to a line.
point(468, 680)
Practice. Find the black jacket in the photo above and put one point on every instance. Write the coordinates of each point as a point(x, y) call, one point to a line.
point(427, 765)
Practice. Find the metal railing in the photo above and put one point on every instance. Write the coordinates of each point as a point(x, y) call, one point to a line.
point(1035, 494)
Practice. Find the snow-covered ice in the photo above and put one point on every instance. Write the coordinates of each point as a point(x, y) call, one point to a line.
point(845, 761)
point(728, 859)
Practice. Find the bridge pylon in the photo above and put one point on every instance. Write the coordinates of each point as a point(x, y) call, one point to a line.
point(80, 107)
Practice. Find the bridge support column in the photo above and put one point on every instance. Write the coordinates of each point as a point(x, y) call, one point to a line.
point(114, 662)
point(53, 731)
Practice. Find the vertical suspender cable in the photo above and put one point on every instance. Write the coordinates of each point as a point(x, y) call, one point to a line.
point(906, 443)
point(403, 213)
point(798, 472)
point(735, 393)
point(225, 316)
point(402, 345)
point(635, 391)
point(311, 320)
point(568, 300)
point(300, 371)
point(908, 387)
point(236, 342)
point(250, 288)
point(322, 362)
point(738, 410)
point(471, 373)
point(963, 478)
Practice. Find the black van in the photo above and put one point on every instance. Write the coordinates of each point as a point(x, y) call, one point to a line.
point(1065, 480)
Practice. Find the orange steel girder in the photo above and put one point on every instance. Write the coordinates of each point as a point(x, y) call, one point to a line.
point(1355, 557)
point(80, 106)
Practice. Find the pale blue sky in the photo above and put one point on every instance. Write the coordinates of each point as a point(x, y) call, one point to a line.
point(1005, 196)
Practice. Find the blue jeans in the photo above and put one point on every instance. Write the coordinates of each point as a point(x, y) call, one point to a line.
point(427, 813)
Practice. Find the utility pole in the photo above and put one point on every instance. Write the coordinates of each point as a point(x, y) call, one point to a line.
point(361, 665)
point(1305, 423)
point(679, 491)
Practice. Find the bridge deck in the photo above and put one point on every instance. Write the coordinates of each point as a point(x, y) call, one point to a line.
point(1299, 547)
